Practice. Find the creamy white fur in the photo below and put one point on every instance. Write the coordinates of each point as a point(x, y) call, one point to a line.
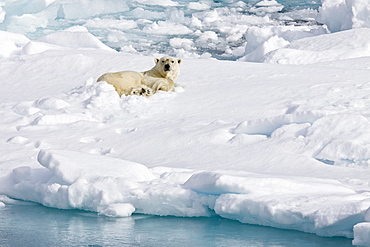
point(161, 77)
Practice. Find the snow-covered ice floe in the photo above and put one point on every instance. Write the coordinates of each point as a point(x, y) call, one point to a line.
point(285, 146)
point(117, 188)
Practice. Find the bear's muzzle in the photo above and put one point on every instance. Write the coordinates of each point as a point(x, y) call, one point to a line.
point(167, 67)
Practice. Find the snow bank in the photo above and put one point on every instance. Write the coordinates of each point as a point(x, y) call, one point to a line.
point(117, 188)
point(72, 38)
point(76, 37)
point(77, 180)
point(262, 40)
point(11, 43)
point(268, 126)
point(109, 186)
point(261, 199)
point(66, 165)
point(339, 139)
point(341, 15)
point(323, 48)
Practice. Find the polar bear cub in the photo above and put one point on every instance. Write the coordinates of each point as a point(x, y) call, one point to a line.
point(161, 77)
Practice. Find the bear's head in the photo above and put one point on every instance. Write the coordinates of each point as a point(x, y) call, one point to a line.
point(168, 67)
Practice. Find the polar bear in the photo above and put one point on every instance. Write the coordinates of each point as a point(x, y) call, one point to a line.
point(161, 77)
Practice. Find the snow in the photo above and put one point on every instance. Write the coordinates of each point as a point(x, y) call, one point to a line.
point(267, 6)
point(322, 48)
point(74, 37)
point(341, 15)
point(284, 143)
point(198, 6)
point(362, 234)
point(265, 40)
point(65, 165)
point(10, 43)
point(118, 210)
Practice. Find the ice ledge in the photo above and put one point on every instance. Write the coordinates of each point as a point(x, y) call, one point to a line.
point(118, 188)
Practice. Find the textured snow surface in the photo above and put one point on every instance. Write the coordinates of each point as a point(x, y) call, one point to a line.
point(278, 145)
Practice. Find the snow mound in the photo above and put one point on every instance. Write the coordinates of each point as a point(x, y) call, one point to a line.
point(72, 38)
point(11, 43)
point(262, 40)
point(221, 183)
point(18, 140)
point(71, 166)
point(60, 119)
point(93, 102)
point(266, 6)
point(341, 15)
point(337, 46)
point(335, 139)
point(51, 104)
point(75, 37)
point(267, 126)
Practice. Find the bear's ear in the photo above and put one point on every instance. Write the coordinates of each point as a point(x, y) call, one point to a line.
point(179, 61)
point(156, 60)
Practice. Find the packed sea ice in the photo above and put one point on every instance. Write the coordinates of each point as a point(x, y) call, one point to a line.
point(283, 144)
point(178, 28)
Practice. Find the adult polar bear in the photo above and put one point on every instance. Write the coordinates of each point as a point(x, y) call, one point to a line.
point(161, 77)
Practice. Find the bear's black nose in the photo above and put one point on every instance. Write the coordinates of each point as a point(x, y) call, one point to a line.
point(167, 67)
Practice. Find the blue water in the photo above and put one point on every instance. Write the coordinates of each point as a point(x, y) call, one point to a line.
point(145, 40)
point(32, 225)
point(290, 5)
